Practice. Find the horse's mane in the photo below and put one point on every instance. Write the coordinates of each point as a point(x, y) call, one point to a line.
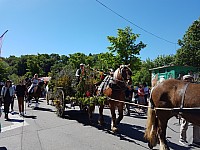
point(116, 73)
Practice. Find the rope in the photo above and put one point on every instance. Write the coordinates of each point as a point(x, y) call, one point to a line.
point(144, 106)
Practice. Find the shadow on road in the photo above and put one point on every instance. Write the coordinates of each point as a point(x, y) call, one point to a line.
point(127, 132)
point(3, 148)
point(43, 109)
point(31, 116)
point(175, 146)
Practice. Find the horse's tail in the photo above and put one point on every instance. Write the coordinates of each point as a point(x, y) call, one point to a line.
point(151, 127)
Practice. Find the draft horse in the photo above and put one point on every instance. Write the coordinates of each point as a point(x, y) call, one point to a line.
point(165, 97)
point(116, 91)
point(36, 94)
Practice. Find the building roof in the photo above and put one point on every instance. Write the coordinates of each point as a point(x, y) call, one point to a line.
point(167, 66)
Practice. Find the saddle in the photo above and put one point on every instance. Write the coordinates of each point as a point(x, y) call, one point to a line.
point(35, 89)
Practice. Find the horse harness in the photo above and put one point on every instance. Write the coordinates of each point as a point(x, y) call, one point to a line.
point(183, 96)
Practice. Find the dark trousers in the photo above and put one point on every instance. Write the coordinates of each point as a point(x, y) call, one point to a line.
point(12, 104)
point(7, 102)
point(145, 98)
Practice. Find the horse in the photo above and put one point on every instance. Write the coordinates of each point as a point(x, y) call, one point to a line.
point(167, 99)
point(36, 94)
point(115, 93)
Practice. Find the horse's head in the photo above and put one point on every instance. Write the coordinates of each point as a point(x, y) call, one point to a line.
point(123, 73)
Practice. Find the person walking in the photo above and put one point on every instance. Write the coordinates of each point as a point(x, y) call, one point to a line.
point(13, 100)
point(146, 93)
point(141, 99)
point(7, 93)
point(20, 92)
point(184, 125)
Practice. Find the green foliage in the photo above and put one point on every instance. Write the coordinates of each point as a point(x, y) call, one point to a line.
point(164, 60)
point(189, 53)
point(125, 48)
point(4, 68)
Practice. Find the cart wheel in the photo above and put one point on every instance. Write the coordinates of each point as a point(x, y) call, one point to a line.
point(61, 98)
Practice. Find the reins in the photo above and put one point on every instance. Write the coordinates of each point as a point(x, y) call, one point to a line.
point(155, 108)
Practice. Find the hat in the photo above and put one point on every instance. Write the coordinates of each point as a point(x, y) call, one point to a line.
point(81, 64)
point(187, 77)
point(9, 81)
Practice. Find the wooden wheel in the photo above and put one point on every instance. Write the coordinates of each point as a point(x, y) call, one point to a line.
point(61, 102)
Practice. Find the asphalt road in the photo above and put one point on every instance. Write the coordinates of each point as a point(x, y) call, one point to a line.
point(42, 130)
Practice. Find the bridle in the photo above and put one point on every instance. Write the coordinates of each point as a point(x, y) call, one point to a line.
point(120, 71)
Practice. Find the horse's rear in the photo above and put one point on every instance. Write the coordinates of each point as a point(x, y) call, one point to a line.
point(168, 95)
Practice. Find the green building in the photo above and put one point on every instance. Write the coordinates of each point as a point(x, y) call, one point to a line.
point(174, 72)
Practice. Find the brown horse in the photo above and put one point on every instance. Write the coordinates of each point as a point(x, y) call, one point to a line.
point(171, 98)
point(115, 90)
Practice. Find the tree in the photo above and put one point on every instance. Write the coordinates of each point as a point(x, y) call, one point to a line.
point(76, 58)
point(125, 48)
point(164, 60)
point(189, 53)
point(4, 68)
point(143, 75)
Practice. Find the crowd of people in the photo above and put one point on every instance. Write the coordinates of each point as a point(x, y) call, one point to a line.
point(9, 91)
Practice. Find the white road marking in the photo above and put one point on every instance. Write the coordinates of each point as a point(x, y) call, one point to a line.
point(15, 124)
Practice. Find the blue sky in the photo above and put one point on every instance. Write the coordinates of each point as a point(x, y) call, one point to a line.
point(69, 26)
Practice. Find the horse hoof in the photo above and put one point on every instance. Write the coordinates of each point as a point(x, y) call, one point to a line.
point(100, 122)
point(150, 146)
point(115, 129)
point(91, 122)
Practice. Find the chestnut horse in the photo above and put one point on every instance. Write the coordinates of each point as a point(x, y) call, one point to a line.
point(165, 97)
point(115, 90)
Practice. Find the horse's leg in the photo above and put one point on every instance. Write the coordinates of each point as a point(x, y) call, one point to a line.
point(36, 102)
point(113, 121)
point(162, 126)
point(90, 113)
point(101, 119)
point(29, 101)
point(120, 110)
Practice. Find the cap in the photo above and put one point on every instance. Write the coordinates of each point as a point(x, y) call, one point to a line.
point(187, 77)
point(81, 64)
point(111, 70)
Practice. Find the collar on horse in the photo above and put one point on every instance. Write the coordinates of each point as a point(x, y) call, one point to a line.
point(183, 96)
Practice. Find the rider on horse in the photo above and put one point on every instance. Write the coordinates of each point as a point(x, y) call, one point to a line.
point(34, 82)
